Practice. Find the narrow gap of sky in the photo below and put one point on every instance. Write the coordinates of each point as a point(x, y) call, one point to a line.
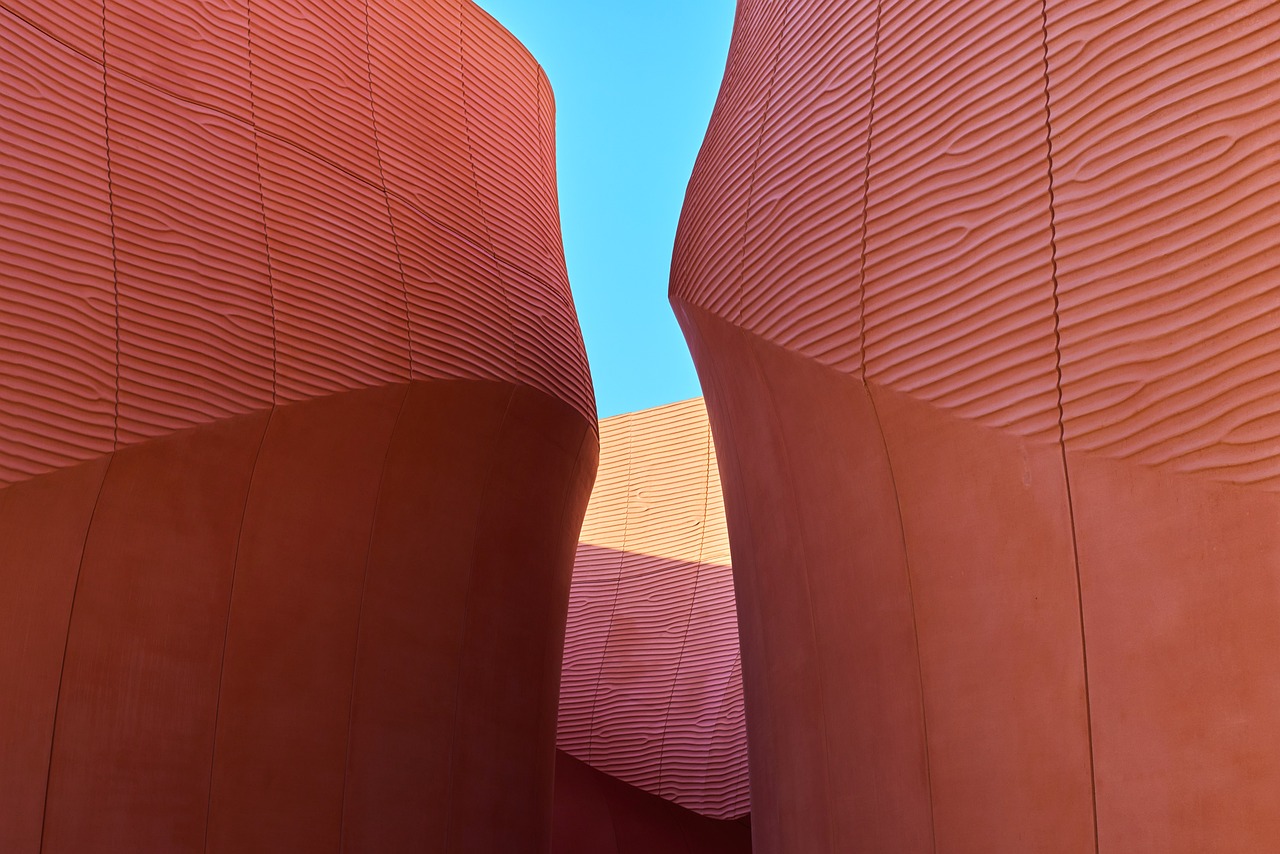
point(635, 81)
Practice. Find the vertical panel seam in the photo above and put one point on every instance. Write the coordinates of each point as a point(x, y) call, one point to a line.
point(789, 503)
point(475, 175)
point(613, 608)
point(696, 317)
point(262, 205)
point(382, 181)
point(1062, 428)
point(684, 639)
point(111, 220)
point(364, 586)
point(466, 608)
point(875, 413)
point(567, 554)
point(226, 633)
point(730, 802)
point(66, 646)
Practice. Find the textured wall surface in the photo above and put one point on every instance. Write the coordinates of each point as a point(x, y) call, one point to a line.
point(296, 431)
point(983, 296)
point(211, 208)
point(651, 690)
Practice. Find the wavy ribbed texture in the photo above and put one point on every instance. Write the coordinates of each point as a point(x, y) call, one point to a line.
point(306, 198)
point(330, 338)
point(809, 174)
point(959, 285)
point(195, 308)
point(940, 322)
point(707, 263)
point(983, 298)
point(1166, 126)
point(57, 309)
point(960, 314)
point(651, 690)
point(73, 22)
point(311, 81)
point(197, 50)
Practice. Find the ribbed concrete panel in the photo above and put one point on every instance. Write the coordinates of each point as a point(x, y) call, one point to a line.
point(810, 175)
point(309, 124)
point(545, 333)
point(57, 308)
point(194, 282)
point(341, 314)
point(510, 197)
point(311, 80)
point(959, 285)
point(545, 231)
point(76, 25)
point(281, 437)
point(1061, 449)
point(1164, 160)
point(197, 51)
point(510, 125)
point(446, 311)
point(416, 66)
point(716, 203)
point(650, 691)
point(1166, 127)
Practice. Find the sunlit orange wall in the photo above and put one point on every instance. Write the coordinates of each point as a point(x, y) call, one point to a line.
point(983, 296)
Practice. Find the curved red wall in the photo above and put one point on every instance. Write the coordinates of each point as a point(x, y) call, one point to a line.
point(296, 431)
point(651, 689)
point(598, 814)
point(982, 295)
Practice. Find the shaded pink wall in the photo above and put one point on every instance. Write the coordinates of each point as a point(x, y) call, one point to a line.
point(651, 689)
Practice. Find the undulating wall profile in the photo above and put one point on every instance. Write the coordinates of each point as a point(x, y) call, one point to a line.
point(296, 430)
point(983, 296)
point(651, 689)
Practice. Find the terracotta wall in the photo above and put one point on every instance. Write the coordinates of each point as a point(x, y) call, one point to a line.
point(296, 431)
point(598, 814)
point(216, 208)
point(651, 690)
point(983, 297)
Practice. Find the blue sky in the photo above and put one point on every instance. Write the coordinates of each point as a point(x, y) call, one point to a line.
point(635, 81)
